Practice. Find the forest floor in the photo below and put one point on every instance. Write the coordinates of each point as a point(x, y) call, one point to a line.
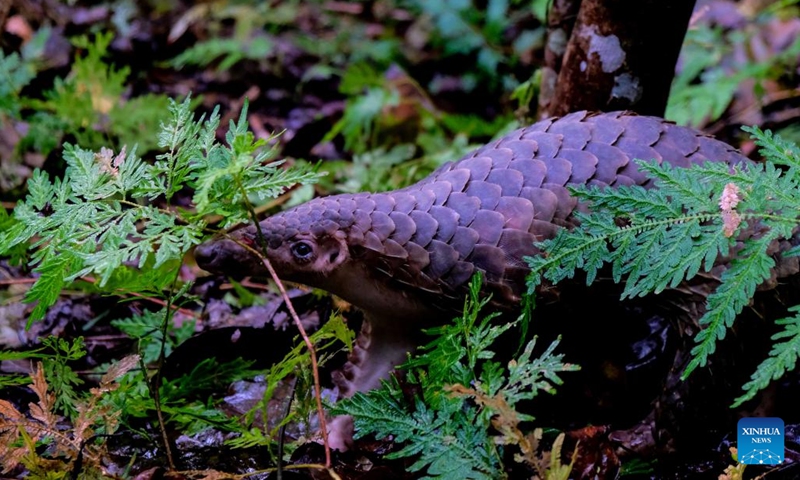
point(382, 92)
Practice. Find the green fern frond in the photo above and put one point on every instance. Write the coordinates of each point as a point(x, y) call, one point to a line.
point(681, 228)
point(89, 222)
point(750, 268)
point(782, 358)
point(775, 149)
point(449, 433)
point(450, 441)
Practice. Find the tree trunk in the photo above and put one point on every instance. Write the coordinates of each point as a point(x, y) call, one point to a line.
point(621, 56)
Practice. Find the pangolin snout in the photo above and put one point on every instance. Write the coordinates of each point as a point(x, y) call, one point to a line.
point(224, 256)
point(207, 255)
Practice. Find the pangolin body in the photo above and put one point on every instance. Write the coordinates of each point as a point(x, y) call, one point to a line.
point(402, 255)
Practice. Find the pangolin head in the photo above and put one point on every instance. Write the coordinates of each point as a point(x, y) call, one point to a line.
point(303, 244)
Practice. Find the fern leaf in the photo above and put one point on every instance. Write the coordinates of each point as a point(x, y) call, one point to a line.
point(782, 358)
point(738, 284)
point(450, 446)
point(775, 149)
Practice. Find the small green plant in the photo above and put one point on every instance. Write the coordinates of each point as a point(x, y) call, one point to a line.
point(109, 226)
point(461, 28)
point(706, 85)
point(89, 222)
point(47, 445)
point(396, 135)
point(296, 363)
point(655, 239)
point(465, 393)
point(146, 329)
point(89, 105)
point(229, 51)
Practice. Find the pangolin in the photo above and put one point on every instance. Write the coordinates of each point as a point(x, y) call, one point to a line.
point(405, 257)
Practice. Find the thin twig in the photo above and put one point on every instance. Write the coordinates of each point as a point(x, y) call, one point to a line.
point(155, 389)
point(311, 350)
point(282, 430)
point(323, 426)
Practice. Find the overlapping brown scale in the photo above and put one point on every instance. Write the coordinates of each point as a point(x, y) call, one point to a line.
point(669, 153)
point(490, 260)
point(447, 219)
point(394, 249)
point(714, 149)
point(456, 178)
point(610, 161)
point(532, 170)
point(373, 242)
point(685, 140)
point(382, 225)
point(362, 220)
point(329, 204)
point(575, 135)
point(488, 194)
point(364, 204)
point(383, 203)
point(403, 202)
point(355, 235)
point(584, 164)
point(558, 171)
point(324, 227)
point(522, 148)
point(606, 128)
point(443, 257)
point(515, 280)
point(404, 227)
point(544, 202)
point(489, 225)
point(516, 244)
point(642, 130)
point(566, 203)
point(637, 151)
point(548, 144)
point(478, 167)
point(459, 274)
point(574, 117)
point(345, 204)
point(424, 199)
point(427, 284)
point(500, 156)
point(543, 230)
point(697, 158)
point(510, 181)
point(426, 227)
point(440, 191)
point(444, 168)
point(418, 257)
point(464, 241)
point(465, 206)
point(624, 180)
point(540, 126)
point(517, 211)
point(345, 217)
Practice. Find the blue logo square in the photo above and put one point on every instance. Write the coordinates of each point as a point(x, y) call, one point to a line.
point(760, 441)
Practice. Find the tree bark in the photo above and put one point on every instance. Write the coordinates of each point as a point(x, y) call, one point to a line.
point(621, 56)
point(560, 19)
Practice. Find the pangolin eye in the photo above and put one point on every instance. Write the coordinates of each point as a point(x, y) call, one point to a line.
point(302, 251)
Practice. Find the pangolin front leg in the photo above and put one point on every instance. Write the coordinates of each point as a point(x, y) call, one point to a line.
point(405, 257)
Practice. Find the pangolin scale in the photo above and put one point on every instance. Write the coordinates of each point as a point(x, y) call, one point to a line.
point(406, 256)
